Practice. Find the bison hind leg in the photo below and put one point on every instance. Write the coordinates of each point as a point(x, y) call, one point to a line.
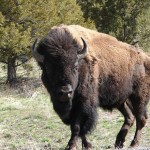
point(139, 104)
point(140, 123)
point(129, 118)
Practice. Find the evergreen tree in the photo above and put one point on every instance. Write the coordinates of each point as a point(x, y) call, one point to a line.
point(22, 20)
point(117, 17)
point(144, 29)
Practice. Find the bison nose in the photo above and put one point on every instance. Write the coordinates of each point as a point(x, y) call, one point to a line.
point(65, 93)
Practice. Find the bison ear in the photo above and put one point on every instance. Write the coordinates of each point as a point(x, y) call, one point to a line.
point(38, 57)
point(84, 51)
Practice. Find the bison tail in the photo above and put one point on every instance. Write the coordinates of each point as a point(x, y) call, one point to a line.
point(147, 64)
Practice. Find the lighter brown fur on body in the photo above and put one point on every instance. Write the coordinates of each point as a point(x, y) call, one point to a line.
point(107, 51)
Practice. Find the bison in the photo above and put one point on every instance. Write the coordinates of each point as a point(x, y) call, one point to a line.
point(83, 69)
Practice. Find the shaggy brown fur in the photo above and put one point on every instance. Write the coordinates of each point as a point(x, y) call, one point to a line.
point(113, 74)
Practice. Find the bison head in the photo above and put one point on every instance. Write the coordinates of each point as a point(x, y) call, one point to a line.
point(59, 60)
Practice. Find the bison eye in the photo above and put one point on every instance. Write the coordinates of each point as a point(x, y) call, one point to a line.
point(76, 65)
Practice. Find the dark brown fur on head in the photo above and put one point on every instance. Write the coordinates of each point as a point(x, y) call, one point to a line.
point(59, 42)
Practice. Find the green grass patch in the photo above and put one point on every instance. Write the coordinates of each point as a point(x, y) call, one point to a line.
point(30, 123)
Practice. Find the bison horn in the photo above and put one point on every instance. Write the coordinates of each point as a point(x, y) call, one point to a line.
point(84, 51)
point(36, 55)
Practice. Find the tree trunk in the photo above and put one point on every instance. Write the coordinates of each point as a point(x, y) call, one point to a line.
point(11, 70)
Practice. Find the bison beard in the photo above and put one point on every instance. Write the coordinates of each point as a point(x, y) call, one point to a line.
point(83, 70)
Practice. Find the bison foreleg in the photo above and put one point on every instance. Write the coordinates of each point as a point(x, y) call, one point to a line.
point(75, 130)
point(128, 122)
point(85, 144)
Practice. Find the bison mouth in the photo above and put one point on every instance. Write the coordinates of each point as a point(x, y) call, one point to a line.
point(62, 98)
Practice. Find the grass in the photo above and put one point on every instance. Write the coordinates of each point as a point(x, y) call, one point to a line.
point(28, 122)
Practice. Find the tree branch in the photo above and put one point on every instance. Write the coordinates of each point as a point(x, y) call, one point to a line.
point(1, 61)
point(23, 62)
point(16, 2)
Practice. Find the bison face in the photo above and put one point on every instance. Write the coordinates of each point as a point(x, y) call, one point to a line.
point(60, 69)
point(60, 76)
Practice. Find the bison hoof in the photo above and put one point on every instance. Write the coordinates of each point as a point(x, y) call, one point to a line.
point(87, 146)
point(118, 145)
point(71, 148)
point(134, 143)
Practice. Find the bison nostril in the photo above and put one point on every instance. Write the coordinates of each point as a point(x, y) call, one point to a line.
point(67, 93)
point(70, 92)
